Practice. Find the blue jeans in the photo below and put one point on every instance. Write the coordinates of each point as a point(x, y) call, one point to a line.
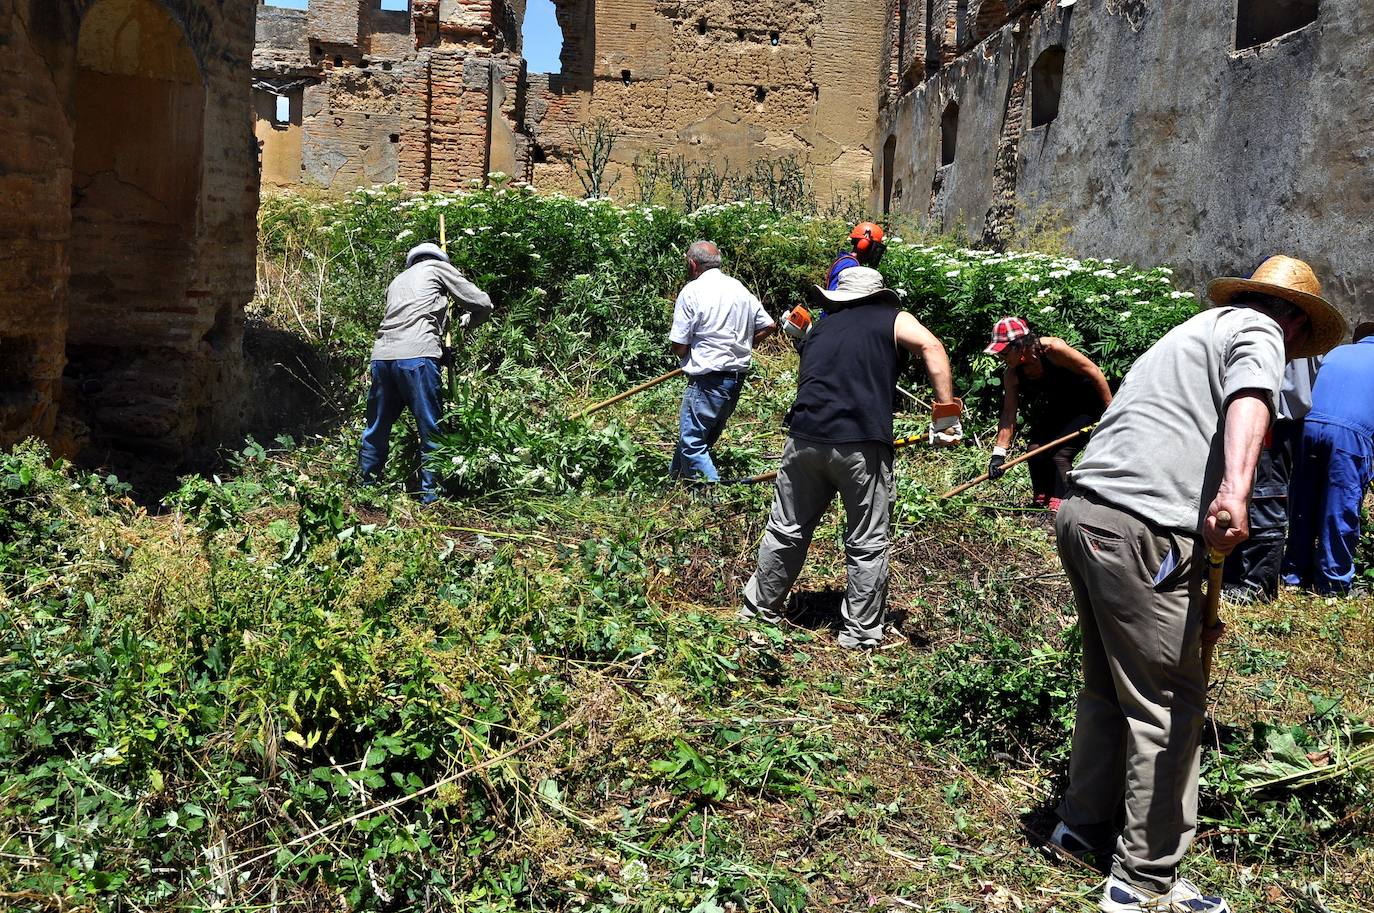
point(407, 383)
point(707, 405)
point(1330, 475)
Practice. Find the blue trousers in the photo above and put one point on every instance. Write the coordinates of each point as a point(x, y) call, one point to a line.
point(707, 405)
point(407, 383)
point(1332, 470)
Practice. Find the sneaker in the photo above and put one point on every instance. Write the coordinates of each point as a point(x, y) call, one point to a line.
point(749, 613)
point(1070, 841)
point(1120, 897)
point(1053, 504)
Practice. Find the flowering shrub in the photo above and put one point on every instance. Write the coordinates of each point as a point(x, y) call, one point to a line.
point(1110, 311)
point(584, 290)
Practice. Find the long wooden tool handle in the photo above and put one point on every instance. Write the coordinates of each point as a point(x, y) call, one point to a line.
point(1215, 565)
point(627, 394)
point(770, 476)
point(960, 489)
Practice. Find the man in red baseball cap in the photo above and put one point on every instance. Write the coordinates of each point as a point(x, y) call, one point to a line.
point(1061, 390)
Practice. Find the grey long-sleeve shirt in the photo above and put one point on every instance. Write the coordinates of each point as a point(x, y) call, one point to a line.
point(417, 310)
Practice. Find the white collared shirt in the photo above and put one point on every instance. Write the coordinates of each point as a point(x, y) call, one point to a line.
point(717, 317)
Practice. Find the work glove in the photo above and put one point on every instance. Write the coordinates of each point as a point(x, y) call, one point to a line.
point(945, 428)
point(465, 319)
point(995, 470)
point(446, 356)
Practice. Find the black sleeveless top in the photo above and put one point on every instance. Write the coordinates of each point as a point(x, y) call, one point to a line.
point(1057, 396)
point(849, 370)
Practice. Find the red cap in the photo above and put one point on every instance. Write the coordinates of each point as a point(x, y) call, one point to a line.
point(1007, 331)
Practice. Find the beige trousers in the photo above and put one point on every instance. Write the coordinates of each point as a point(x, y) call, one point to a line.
point(810, 476)
point(1136, 738)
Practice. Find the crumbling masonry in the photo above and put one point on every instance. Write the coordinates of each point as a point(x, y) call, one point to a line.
point(440, 94)
point(127, 200)
point(1202, 135)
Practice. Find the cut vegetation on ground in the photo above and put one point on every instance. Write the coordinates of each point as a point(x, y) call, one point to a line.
point(278, 691)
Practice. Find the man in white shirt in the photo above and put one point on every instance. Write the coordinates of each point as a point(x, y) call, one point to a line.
point(716, 324)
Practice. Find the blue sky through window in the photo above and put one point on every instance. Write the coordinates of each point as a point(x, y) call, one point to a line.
point(399, 6)
point(543, 38)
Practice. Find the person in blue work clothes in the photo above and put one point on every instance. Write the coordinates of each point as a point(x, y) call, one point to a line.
point(1334, 466)
point(867, 247)
point(716, 324)
point(407, 355)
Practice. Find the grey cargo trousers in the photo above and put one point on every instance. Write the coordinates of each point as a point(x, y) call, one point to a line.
point(1136, 739)
point(808, 479)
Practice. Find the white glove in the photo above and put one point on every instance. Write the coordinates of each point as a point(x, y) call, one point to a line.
point(464, 319)
point(946, 432)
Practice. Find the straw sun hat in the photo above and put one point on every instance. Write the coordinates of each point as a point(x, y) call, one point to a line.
point(1294, 282)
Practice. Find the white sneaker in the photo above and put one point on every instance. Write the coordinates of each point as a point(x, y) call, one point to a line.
point(1070, 841)
point(1120, 897)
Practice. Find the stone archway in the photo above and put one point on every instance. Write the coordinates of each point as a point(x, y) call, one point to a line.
point(139, 125)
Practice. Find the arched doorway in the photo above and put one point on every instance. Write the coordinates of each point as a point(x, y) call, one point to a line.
point(136, 186)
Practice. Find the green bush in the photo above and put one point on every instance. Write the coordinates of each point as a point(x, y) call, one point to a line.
point(584, 291)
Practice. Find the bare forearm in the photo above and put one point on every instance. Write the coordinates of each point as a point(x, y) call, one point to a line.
point(937, 366)
point(1247, 420)
point(764, 333)
point(1103, 389)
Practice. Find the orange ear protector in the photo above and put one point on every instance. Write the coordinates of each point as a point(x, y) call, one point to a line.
point(865, 235)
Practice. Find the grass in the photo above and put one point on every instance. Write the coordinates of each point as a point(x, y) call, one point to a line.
point(278, 691)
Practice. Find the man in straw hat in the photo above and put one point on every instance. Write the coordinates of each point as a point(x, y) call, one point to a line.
point(1177, 446)
point(1334, 467)
point(407, 353)
point(840, 440)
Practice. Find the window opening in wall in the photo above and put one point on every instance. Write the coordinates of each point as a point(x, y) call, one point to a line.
point(774, 38)
point(283, 112)
point(933, 39)
point(889, 163)
point(961, 29)
point(710, 88)
point(739, 33)
point(626, 76)
point(1258, 21)
point(1047, 82)
point(394, 137)
point(760, 93)
point(288, 4)
point(395, 6)
point(701, 26)
point(949, 133)
point(543, 37)
point(338, 60)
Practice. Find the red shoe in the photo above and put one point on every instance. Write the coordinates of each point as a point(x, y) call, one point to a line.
point(1054, 504)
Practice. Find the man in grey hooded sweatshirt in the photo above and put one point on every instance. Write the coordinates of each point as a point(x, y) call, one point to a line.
point(407, 354)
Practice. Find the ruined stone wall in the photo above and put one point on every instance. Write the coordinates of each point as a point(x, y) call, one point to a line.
point(724, 81)
point(127, 178)
point(427, 96)
point(1169, 145)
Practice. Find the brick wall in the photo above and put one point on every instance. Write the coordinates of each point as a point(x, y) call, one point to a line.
point(130, 263)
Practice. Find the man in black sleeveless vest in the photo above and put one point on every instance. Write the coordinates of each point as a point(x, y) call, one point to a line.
point(840, 440)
